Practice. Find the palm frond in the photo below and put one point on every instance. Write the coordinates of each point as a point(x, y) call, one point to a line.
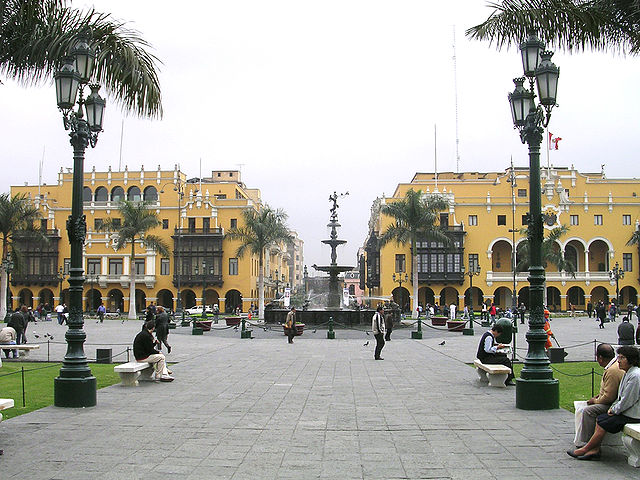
point(157, 244)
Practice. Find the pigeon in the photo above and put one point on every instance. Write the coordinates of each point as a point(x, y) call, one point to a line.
point(236, 328)
point(441, 343)
point(315, 330)
point(264, 328)
point(36, 335)
point(366, 332)
point(366, 343)
point(51, 337)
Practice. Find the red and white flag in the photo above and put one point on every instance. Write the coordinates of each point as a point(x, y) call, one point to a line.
point(553, 142)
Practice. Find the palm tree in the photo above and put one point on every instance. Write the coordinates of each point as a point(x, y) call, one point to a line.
point(635, 240)
point(416, 218)
point(137, 219)
point(550, 252)
point(570, 24)
point(16, 214)
point(262, 229)
point(36, 34)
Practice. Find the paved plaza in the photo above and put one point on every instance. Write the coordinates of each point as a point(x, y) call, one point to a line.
point(263, 409)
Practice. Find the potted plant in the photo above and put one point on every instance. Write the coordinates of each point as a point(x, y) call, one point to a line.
point(456, 325)
point(438, 321)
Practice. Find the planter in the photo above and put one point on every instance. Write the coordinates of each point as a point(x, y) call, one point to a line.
point(232, 321)
point(205, 325)
point(438, 321)
point(299, 329)
point(456, 325)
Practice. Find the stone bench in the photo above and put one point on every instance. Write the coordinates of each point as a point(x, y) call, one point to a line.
point(25, 347)
point(131, 372)
point(495, 375)
point(4, 404)
point(631, 440)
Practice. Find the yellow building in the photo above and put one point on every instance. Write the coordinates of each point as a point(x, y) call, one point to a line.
point(194, 215)
point(484, 210)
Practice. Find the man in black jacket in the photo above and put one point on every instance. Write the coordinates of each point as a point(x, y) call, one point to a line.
point(144, 351)
point(488, 351)
point(18, 322)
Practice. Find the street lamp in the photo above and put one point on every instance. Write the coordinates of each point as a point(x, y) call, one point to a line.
point(76, 385)
point(474, 269)
point(536, 389)
point(400, 280)
point(61, 278)
point(179, 188)
point(7, 266)
point(277, 283)
point(617, 273)
point(513, 230)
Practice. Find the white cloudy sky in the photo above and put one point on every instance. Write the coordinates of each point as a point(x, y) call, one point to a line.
point(316, 96)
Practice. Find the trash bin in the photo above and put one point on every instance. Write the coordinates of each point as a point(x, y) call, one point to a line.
point(103, 355)
point(557, 354)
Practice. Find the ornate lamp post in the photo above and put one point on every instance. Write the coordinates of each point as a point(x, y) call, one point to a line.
point(513, 230)
point(400, 280)
point(7, 266)
point(76, 386)
point(195, 330)
point(179, 188)
point(61, 279)
point(474, 269)
point(277, 281)
point(617, 273)
point(536, 389)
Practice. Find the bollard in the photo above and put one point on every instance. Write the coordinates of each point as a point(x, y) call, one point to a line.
point(417, 335)
point(331, 335)
point(244, 333)
point(195, 329)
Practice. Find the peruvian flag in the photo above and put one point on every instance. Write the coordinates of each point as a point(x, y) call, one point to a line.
point(553, 141)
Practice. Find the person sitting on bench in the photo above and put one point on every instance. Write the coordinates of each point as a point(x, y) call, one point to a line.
point(144, 351)
point(488, 351)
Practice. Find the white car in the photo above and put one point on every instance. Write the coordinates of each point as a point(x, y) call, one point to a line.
point(197, 310)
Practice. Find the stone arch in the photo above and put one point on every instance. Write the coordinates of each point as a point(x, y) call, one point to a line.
point(426, 296)
point(45, 297)
point(211, 297)
point(502, 297)
point(599, 250)
point(598, 294)
point(134, 194)
point(94, 300)
point(474, 299)
point(115, 300)
point(87, 195)
point(150, 194)
point(117, 194)
point(628, 295)
point(25, 297)
point(501, 252)
point(449, 295)
point(400, 296)
point(575, 296)
point(232, 300)
point(523, 297)
point(141, 300)
point(553, 298)
point(165, 298)
point(574, 251)
point(188, 298)
point(101, 194)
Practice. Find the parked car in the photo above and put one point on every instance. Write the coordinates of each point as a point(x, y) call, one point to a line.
point(197, 310)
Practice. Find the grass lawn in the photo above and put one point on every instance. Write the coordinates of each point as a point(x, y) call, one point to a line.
point(38, 384)
point(573, 387)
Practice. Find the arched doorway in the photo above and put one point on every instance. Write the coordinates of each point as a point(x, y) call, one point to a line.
point(575, 296)
point(523, 297)
point(232, 300)
point(150, 194)
point(165, 299)
point(25, 297)
point(628, 295)
point(598, 256)
point(94, 299)
point(188, 298)
point(425, 296)
point(599, 294)
point(211, 297)
point(65, 297)
point(473, 299)
point(501, 252)
point(45, 297)
point(448, 296)
point(401, 297)
point(115, 301)
point(502, 297)
point(553, 299)
point(141, 301)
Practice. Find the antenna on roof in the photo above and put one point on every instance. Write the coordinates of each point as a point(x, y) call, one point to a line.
point(455, 87)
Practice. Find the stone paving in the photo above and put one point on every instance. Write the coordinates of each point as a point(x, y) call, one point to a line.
point(263, 409)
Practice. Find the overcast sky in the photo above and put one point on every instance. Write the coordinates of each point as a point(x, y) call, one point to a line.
point(308, 97)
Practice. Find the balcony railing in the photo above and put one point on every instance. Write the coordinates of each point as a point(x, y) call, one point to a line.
point(192, 280)
point(34, 279)
point(441, 277)
point(550, 276)
point(199, 231)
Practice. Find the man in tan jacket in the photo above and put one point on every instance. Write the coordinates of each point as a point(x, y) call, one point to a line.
point(586, 412)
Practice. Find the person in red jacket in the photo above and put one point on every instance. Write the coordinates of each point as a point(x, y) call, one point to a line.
point(547, 329)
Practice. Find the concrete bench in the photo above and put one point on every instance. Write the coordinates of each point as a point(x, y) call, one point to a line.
point(495, 375)
point(631, 440)
point(24, 348)
point(4, 404)
point(131, 372)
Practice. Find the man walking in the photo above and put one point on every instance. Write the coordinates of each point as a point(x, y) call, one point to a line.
point(378, 329)
point(60, 312)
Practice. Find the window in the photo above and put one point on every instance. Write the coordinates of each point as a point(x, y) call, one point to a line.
point(101, 194)
point(87, 195)
point(597, 219)
point(401, 266)
point(43, 224)
point(117, 223)
point(192, 224)
point(522, 192)
point(574, 220)
point(165, 223)
point(115, 266)
point(352, 290)
point(502, 219)
point(134, 194)
point(206, 223)
point(444, 220)
point(66, 266)
point(626, 219)
point(221, 196)
point(93, 266)
point(525, 219)
point(233, 223)
point(164, 266)
point(474, 262)
point(97, 224)
point(139, 266)
point(627, 264)
point(233, 266)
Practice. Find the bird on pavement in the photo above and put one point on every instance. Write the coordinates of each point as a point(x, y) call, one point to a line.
point(366, 343)
point(315, 330)
point(36, 335)
point(366, 332)
point(441, 343)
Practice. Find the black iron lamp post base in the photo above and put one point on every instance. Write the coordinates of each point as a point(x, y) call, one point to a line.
point(75, 392)
point(543, 394)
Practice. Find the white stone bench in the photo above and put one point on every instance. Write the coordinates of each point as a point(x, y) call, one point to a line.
point(4, 404)
point(631, 440)
point(131, 372)
point(495, 375)
point(25, 347)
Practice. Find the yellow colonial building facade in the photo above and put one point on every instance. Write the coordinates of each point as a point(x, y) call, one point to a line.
point(194, 213)
point(486, 214)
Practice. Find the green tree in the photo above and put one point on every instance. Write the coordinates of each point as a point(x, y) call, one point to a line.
point(635, 240)
point(570, 24)
point(137, 219)
point(17, 214)
point(551, 253)
point(36, 34)
point(415, 218)
point(262, 229)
